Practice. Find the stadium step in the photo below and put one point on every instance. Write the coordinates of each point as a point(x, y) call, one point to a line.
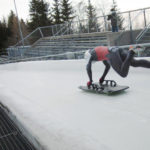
point(66, 43)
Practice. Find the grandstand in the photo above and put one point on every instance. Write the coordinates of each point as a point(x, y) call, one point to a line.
point(52, 42)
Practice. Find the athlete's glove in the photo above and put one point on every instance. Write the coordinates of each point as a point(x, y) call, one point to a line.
point(89, 83)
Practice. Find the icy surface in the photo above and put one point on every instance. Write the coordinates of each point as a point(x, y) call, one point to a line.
point(45, 97)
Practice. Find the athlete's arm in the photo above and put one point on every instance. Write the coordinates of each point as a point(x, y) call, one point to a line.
point(107, 67)
point(89, 69)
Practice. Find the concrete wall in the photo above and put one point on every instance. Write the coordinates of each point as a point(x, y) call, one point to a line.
point(122, 38)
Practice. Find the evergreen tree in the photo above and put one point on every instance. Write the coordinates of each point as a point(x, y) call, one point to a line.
point(66, 11)
point(13, 28)
point(50, 16)
point(10, 20)
point(56, 12)
point(14, 33)
point(4, 33)
point(39, 14)
point(24, 28)
point(92, 18)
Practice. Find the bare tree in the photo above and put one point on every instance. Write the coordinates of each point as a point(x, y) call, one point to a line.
point(80, 10)
point(103, 8)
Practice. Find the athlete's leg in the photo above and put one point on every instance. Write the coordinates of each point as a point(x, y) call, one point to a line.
point(120, 61)
point(126, 64)
point(107, 67)
point(140, 63)
point(130, 61)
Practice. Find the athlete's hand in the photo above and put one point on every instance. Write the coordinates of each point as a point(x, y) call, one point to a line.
point(89, 83)
point(101, 80)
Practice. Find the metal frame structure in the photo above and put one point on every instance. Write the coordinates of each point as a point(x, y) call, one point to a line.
point(10, 135)
point(16, 52)
point(75, 27)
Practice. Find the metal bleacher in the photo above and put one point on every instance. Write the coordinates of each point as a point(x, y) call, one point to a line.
point(69, 37)
point(67, 43)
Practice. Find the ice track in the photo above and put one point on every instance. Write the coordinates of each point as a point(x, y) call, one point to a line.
point(44, 96)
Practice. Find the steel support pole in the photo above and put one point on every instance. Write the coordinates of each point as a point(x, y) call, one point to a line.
point(21, 35)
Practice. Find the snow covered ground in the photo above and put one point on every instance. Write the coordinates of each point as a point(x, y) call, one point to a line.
point(44, 96)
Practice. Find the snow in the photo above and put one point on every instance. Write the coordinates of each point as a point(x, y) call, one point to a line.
point(45, 98)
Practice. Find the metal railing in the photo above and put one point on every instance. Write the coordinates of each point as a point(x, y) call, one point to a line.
point(83, 26)
point(136, 19)
point(64, 56)
point(129, 26)
point(10, 135)
point(142, 33)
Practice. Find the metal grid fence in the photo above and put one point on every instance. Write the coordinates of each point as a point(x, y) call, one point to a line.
point(11, 137)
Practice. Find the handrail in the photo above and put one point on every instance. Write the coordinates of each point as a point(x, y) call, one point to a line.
point(129, 24)
point(134, 10)
point(61, 29)
point(19, 59)
point(141, 34)
point(26, 36)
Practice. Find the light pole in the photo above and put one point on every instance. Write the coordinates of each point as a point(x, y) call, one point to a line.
point(19, 24)
point(113, 3)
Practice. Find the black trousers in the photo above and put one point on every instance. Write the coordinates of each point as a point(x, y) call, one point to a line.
point(122, 60)
point(140, 63)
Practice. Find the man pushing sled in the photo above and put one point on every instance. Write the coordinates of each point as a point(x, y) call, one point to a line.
point(120, 59)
